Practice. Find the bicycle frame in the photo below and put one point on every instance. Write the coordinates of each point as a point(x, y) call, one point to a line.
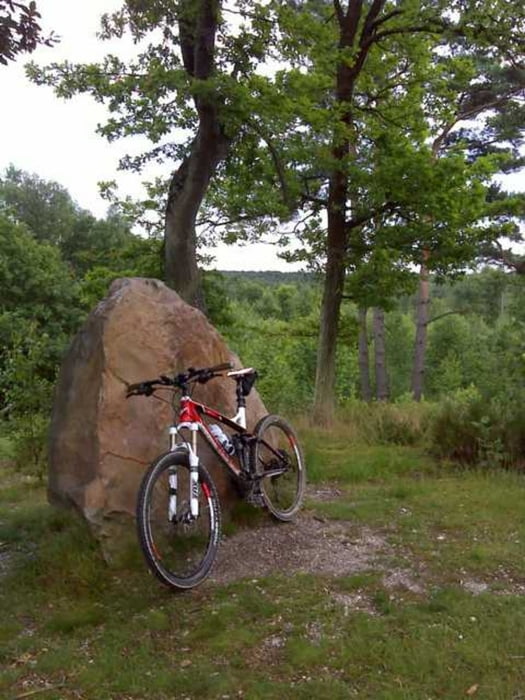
point(191, 418)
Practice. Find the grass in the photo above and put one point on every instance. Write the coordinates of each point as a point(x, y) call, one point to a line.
point(76, 629)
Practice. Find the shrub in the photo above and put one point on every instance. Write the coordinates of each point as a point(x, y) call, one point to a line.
point(27, 393)
point(29, 444)
point(472, 429)
point(405, 422)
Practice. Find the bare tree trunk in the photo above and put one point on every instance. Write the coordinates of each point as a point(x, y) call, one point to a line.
point(422, 312)
point(382, 388)
point(197, 29)
point(364, 362)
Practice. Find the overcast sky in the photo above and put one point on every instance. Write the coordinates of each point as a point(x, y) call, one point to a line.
point(56, 138)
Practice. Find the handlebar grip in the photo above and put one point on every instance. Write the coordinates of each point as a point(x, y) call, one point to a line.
point(133, 388)
point(140, 389)
point(221, 367)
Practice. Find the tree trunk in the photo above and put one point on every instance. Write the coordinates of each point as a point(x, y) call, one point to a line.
point(187, 190)
point(324, 395)
point(364, 363)
point(355, 38)
point(197, 30)
point(382, 390)
point(422, 311)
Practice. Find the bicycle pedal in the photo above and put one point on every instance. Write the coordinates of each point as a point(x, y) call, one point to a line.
point(254, 498)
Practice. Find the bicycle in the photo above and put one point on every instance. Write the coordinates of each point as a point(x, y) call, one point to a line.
point(178, 509)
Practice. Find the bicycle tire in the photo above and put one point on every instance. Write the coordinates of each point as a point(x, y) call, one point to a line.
point(180, 553)
point(277, 448)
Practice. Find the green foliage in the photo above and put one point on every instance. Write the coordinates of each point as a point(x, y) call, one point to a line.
point(35, 283)
point(472, 429)
point(139, 257)
point(476, 335)
point(51, 216)
point(218, 306)
point(26, 386)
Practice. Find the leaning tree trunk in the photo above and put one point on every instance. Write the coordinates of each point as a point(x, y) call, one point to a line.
point(382, 390)
point(364, 362)
point(197, 30)
point(422, 313)
point(187, 190)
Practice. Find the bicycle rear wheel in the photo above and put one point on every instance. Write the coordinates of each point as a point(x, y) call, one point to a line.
point(279, 464)
point(179, 549)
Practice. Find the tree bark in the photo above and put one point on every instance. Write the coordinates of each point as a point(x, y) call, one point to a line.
point(382, 384)
point(364, 362)
point(187, 190)
point(422, 314)
point(324, 395)
point(189, 184)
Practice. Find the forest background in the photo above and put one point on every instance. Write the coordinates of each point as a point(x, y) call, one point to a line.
point(373, 141)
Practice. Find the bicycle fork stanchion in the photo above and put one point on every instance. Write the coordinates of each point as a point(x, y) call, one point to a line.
point(193, 462)
point(172, 505)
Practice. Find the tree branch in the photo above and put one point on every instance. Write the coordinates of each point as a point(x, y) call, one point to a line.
point(357, 221)
point(446, 313)
point(279, 167)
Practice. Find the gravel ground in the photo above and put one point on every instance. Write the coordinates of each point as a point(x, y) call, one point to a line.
point(306, 545)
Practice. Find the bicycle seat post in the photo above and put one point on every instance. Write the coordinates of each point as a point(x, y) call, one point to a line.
point(241, 398)
point(240, 416)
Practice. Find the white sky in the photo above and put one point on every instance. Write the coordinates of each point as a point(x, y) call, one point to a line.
point(56, 138)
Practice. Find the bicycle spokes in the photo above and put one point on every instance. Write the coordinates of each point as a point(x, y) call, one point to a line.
point(279, 467)
point(180, 546)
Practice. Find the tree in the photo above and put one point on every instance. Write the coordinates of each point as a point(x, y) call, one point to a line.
point(482, 83)
point(52, 216)
point(37, 289)
point(382, 384)
point(444, 86)
point(20, 31)
point(364, 357)
point(45, 207)
point(185, 92)
point(340, 131)
point(348, 147)
point(314, 154)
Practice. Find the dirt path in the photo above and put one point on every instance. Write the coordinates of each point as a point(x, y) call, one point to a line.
point(307, 545)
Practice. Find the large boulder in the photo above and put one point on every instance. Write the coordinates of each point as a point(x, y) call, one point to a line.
point(101, 443)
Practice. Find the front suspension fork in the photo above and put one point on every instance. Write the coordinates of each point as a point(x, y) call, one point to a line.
point(194, 473)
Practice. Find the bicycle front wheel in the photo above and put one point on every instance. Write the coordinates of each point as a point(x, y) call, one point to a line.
point(280, 467)
point(179, 548)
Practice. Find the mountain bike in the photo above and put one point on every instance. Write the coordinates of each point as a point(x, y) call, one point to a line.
point(178, 509)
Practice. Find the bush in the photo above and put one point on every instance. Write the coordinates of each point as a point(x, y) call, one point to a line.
point(29, 441)
point(472, 429)
point(405, 422)
point(27, 395)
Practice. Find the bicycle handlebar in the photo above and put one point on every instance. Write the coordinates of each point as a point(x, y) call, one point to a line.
point(203, 375)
